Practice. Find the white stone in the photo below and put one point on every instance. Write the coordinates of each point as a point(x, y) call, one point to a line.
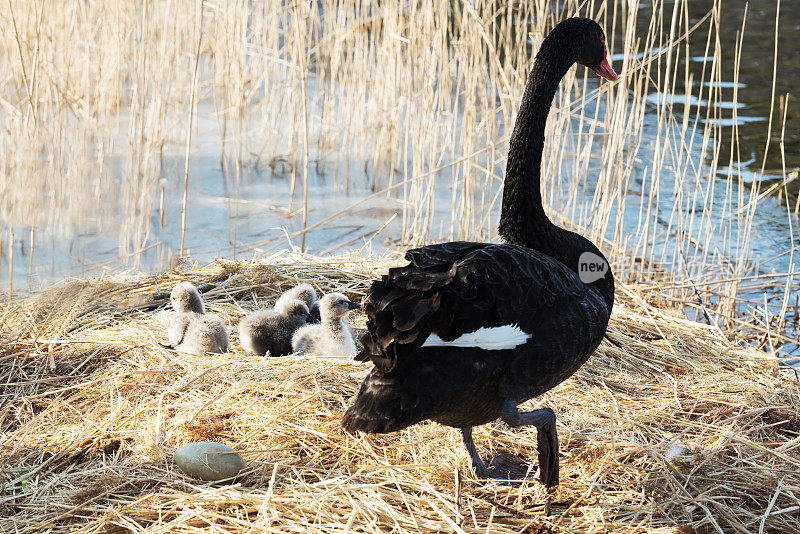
point(207, 460)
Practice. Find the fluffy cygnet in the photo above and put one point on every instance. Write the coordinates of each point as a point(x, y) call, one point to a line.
point(333, 337)
point(272, 330)
point(189, 328)
point(302, 292)
point(186, 298)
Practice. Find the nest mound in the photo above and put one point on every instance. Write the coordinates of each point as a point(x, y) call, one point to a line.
point(670, 426)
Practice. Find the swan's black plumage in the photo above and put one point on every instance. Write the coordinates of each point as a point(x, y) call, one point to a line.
point(452, 289)
point(455, 288)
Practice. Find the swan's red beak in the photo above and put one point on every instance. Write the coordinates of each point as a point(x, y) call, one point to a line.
point(605, 71)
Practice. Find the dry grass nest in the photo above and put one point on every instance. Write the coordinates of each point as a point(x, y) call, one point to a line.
point(670, 427)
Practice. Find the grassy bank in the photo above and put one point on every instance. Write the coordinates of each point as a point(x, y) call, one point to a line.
point(670, 426)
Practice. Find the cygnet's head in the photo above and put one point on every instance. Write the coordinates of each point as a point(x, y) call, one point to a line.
point(335, 305)
point(186, 298)
point(298, 308)
point(304, 292)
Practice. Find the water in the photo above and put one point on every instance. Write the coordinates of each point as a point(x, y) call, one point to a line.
point(746, 105)
point(754, 84)
point(246, 211)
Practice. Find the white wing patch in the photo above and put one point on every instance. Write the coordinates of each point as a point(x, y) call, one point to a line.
point(493, 338)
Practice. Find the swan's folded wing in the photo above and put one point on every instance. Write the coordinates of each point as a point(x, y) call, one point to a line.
point(441, 254)
point(458, 288)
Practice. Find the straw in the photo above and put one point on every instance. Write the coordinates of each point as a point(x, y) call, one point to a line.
point(94, 408)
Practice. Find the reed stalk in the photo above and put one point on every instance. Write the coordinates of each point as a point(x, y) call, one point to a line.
point(190, 128)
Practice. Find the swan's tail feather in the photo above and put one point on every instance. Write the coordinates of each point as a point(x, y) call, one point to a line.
point(378, 410)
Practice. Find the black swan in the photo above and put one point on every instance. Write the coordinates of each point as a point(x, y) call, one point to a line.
point(189, 328)
point(333, 336)
point(271, 331)
point(467, 331)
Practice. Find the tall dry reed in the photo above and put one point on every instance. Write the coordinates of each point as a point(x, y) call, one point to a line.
point(413, 100)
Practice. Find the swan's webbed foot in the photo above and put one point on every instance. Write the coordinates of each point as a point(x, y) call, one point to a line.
point(504, 467)
point(515, 470)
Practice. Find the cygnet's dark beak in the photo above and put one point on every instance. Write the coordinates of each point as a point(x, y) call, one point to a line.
point(353, 305)
point(311, 319)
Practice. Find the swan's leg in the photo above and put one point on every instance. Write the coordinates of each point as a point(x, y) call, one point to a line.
point(508, 467)
point(477, 464)
point(546, 437)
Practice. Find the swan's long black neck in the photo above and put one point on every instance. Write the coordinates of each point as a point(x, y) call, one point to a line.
point(523, 220)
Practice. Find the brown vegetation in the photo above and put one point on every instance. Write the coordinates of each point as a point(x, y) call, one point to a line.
point(670, 427)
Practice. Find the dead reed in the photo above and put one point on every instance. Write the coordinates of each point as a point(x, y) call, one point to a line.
point(670, 427)
point(412, 99)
